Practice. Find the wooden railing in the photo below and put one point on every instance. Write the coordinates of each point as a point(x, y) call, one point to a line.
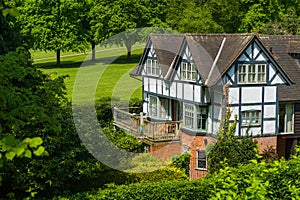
point(153, 131)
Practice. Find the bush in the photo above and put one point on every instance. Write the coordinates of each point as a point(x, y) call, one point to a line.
point(277, 180)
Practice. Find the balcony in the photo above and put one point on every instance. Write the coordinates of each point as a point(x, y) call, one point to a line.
point(144, 129)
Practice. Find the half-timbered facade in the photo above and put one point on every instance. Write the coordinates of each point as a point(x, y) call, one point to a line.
point(188, 80)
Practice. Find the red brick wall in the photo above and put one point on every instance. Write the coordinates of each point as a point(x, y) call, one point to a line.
point(196, 143)
point(266, 142)
point(165, 151)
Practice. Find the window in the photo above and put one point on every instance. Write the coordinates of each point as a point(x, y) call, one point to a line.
point(188, 71)
point(252, 73)
point(194, 117)
point(286, 118)
point(159, 107)
point(152, 67)
point(251, 118)
point(201, 159)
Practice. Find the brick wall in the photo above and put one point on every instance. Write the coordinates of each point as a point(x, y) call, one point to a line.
point(266, 142)
point(196, 143)
point(165, 151)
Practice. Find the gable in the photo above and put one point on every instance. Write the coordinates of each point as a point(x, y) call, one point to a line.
point(255, 65)
point(186, 69)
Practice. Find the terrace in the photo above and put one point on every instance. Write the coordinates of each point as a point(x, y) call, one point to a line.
point(139, 126)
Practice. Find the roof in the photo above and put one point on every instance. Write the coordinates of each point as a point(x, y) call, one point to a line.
point(166, 47)
point(214, 54)
point(282, 46)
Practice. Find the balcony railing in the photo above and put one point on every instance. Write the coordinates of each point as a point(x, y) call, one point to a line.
point(140, 127)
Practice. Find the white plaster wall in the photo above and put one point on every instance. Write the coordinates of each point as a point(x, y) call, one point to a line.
point(254, 131)
point(251, 94)
point(234, 111)
point(270, 94)
point(159, 89)
point(233, 96)
point(197, 93)
point(173, 89)
point(152, 84)
point(145, 84)
point(188, 91)
point(269, 111)
point(179, 91)
point(269, 127)
point(277, 80)
point(246, 108)
point(145, 104)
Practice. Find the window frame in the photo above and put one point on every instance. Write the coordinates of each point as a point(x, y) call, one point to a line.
point(191, 117)
point(285, 115)
point(202, 159)
point(188, 71)
point(253, 115)
point(252, 73)
point(164, 114)
point(152, 67)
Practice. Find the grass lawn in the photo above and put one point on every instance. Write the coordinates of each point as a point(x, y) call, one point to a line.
point(110, 73)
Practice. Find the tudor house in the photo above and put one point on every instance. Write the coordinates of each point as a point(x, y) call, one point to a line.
point(184, 101)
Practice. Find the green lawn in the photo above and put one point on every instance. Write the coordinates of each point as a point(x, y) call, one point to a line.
point(109, 75)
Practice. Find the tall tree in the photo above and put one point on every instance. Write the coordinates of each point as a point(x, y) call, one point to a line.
point(192, 16)
point(271, 17)
point(53, 25)
point(126, 18)
point(9, 35)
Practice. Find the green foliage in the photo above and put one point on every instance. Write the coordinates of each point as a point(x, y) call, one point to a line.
point(182, 162)
point(105, 105)
point(9, 35)
point(53, 25)
point(277, 180)
point(229, 150)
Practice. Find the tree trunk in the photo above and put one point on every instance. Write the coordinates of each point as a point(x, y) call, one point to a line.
point(93, 51)
point(58, 57)
point(128, 46)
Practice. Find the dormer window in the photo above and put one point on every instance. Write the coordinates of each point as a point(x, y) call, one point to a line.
point(252, 73)
point(152, 67)
point(188, 71)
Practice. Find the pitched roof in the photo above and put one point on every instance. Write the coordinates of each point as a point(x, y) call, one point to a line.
point(219, 51)
point(166, 47)
point(281, 46)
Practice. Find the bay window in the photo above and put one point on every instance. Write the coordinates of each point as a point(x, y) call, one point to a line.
point(159, 107)
point(194, 117)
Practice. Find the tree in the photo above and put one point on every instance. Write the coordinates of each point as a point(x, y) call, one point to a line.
point(192, 17)
point(53, 25)
point(9, 35)
point(229, 150)
point(271, 17)
point(127, 18)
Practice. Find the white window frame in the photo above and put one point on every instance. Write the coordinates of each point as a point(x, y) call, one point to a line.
point(188, 71)
point(192, 114)
point(159, 111)
point(286, 121)
point(251, 118)
point(202, 159)
point(152, 67)
point(251, 73)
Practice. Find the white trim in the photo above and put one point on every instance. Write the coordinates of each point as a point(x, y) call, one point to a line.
point(215, 61)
